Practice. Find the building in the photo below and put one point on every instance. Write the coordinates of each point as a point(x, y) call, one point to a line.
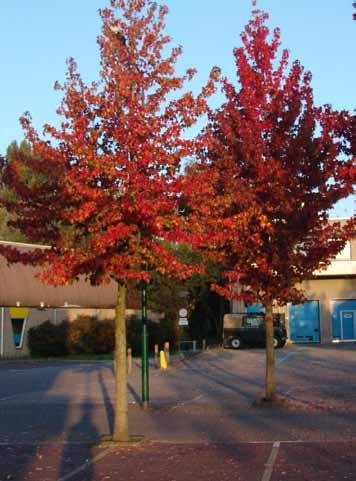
point(25, 302)
point(329, 315)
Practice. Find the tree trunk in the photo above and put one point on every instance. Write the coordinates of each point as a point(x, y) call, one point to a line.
point(270, 356)
point(121, 422)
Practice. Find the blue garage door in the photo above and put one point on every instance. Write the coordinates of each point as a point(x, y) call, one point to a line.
point(304, 322)
point(344, 319)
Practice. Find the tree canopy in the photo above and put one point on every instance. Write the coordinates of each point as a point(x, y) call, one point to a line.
point(272, 165)
point(7, 230)
point(109, 178)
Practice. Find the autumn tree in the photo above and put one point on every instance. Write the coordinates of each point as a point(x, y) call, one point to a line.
point(14, 150)
point(272, 165)
point(107, 195)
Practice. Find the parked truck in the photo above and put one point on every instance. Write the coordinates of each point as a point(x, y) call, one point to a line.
point(249, 330)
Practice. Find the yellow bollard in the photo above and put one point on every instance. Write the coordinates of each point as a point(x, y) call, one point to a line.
point(162, 360)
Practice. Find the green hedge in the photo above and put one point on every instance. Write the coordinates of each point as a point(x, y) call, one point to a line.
point(48, 339)
point(87, 335)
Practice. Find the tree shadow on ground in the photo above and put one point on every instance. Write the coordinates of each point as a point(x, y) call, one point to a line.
point(42, 425)
point(76, 455)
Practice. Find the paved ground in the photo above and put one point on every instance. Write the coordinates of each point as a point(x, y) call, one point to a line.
point(202, 423)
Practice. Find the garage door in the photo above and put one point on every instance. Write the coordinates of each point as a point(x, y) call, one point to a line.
point(344, 319)
point(304, 322)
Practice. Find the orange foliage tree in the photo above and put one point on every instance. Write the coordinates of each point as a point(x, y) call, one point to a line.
point(108, 182)
point(272, 165)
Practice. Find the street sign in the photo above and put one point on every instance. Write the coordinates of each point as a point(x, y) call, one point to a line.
point(183, 312)
point(183, 321)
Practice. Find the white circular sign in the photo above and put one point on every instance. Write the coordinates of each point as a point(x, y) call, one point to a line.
point(183, 312)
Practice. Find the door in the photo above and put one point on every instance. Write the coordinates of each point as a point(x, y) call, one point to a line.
point(344, 319)
point(347, 325)
point(304, 322)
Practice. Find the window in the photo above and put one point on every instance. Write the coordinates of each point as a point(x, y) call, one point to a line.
point(345, 254)
point(18, 316)
point(253, 321)
point(17, 330)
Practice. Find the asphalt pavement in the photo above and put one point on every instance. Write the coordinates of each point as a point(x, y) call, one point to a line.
point(203, 421)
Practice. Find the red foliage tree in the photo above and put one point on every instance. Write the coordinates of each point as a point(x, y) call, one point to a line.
point(272, 165)
point(106, 195)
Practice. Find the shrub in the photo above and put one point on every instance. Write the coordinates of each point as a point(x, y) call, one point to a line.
point(48, 339)
point(133, 326)
point(105, 337)
point(87, 335)
point(158, 333)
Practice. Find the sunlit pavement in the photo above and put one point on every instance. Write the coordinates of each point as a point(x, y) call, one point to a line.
point(202, 422)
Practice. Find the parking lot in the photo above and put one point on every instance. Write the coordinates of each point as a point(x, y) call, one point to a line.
point(203, 421)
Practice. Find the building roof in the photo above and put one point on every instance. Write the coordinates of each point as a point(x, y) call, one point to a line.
point(19, 286)
point(338, 269)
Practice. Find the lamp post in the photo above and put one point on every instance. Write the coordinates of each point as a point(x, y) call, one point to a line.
point(144, 349)
point(144, 331)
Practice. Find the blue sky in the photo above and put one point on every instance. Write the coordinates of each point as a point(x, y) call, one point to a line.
point(36, 36)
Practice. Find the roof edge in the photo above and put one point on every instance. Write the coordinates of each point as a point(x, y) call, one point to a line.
point(24, 244)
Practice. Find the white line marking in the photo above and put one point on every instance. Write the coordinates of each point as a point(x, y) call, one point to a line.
point(287, 356)
point(271, 460)
point(6, 398)
point(188, 401)
point(85, 465)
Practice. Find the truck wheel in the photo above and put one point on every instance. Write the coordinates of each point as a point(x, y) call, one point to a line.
point(236, 343)
point(276, 342)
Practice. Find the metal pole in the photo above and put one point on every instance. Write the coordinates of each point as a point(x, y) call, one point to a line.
point(2, 331)
point(144, 351)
